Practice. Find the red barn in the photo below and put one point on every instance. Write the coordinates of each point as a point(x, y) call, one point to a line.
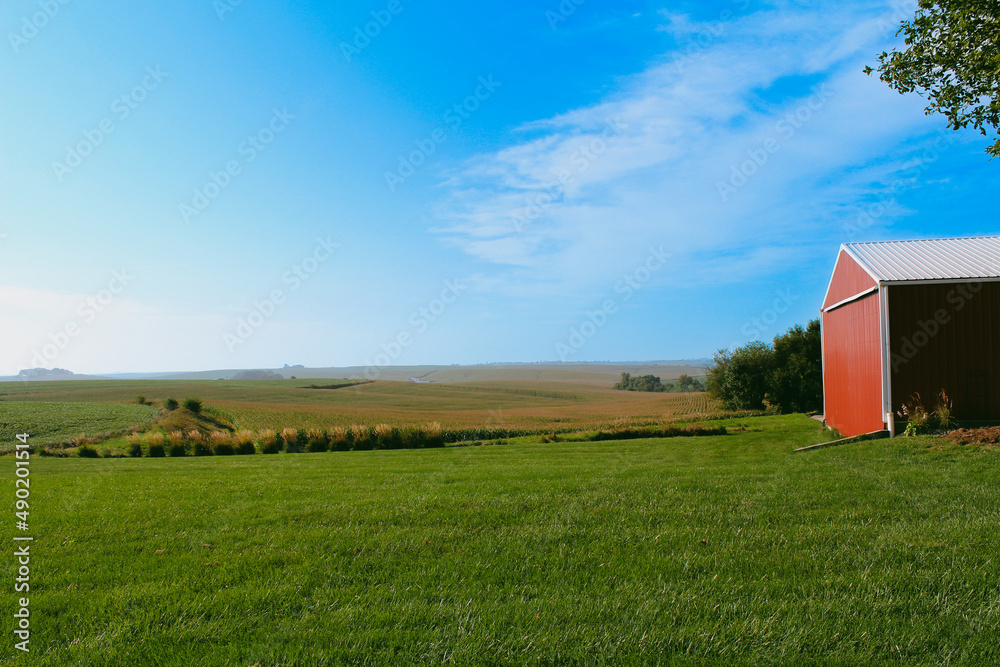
point(908, 317)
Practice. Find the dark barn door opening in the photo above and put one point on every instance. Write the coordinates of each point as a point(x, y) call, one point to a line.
point(947, 337)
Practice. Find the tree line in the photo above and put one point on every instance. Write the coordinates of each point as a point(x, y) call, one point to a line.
point(785, 376)
point(685, 383)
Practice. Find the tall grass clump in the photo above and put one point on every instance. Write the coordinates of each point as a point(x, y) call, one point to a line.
point(243, 442)
point(154, 445)
point(341, 439)
point(387, 437)
point(919, 420)
point(317, 440)
point(269, 442)
point(175, 444)
point(221, 443)
point(434, 435)
point(134, 443)
point(198, 445)
point(364, 438)
point(292, 439)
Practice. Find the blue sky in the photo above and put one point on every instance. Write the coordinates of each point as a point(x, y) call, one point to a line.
point(201, 184)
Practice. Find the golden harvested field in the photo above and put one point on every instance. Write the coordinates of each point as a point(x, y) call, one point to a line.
point(257, 404)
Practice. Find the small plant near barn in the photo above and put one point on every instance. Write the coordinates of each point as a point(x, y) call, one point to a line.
point(943, 410)
point(920, 421)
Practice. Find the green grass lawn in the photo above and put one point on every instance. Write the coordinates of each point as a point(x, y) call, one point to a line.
point(691, 550)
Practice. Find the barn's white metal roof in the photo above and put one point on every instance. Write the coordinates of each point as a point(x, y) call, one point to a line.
point(935, 259)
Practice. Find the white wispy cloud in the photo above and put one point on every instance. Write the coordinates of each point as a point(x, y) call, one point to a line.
point(675, 156)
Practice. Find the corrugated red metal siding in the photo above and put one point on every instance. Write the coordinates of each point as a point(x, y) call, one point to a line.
point(852, 367)
point(947, 336)
point(848, 280)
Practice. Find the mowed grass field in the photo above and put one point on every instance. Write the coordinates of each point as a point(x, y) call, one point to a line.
point(258, 404)
point(718, 550)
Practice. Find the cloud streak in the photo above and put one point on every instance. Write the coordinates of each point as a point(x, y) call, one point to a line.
point(778, 98)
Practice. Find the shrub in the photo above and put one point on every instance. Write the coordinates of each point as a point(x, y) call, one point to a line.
point(387, 437)
point(434, 435)
point(134, 443)
point(87, 452)
point(341, 439)
point(269, 441)
point(413, 438)
point(364, 438)
point(221, 443)
point(292, 439)
point(193, 404)
point(317, 441)
point(198, 445)
point(243, 442)
point(141, 400)
point(154, 444)
point(171, 404)
point(175, 444)
point(919, 420)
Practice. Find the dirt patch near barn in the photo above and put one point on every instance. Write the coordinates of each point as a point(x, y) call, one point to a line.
point(987, 437)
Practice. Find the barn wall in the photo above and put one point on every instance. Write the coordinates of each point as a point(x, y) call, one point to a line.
point(947, 337)
point(852, 367)
point(849, 279)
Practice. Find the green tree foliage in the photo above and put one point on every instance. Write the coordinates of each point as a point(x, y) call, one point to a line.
point(741, 379)
point(952, 56)
point(640, 383)
point(797, 383)
point(787, 376)
point(686, 383)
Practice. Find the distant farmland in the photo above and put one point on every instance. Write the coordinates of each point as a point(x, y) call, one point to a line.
point(55, 422)
point(257, 404)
